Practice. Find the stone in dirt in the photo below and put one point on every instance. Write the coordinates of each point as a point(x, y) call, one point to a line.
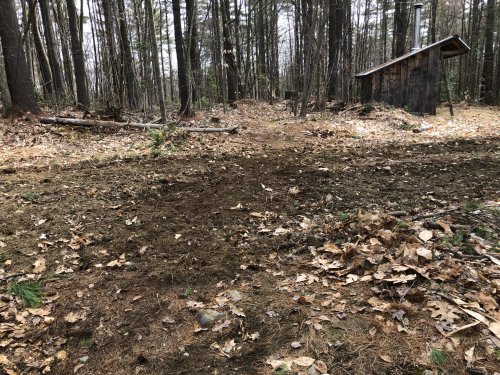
point(208, 317)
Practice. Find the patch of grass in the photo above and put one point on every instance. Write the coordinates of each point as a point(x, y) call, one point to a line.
point(485, 233)
point(157, 139)
point(355, 136)
point(169, 137)
point(86, 343)
point(366, 110)
point(187, 292)
point(400, 225)
point(470, 206)
point(156, 152)
point(406, 126)
point(29, 196)
point(3, 257)
point(132, 267)
point(438, 358)
point(29, 292)
point(342, 215)
point(456, 240)
point(282, 371)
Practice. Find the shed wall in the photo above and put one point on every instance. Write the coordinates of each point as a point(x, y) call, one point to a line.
point(412, 83)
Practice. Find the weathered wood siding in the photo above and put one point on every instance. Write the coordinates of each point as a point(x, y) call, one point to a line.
point(412, 83)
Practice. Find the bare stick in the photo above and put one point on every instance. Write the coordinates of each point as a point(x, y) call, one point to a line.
point(90, 123)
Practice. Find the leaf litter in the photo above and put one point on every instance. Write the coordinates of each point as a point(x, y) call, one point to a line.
point(392, 273)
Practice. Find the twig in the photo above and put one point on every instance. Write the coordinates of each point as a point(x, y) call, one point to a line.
point(5, 278)
point(398, 213)
point(433, 214)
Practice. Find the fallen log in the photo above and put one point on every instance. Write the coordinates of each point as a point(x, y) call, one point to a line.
point(90, 123)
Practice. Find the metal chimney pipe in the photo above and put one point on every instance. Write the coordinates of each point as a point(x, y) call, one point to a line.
point(416, 43)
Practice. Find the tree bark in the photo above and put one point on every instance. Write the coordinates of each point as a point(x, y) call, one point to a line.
point(335, 18)
point(400, 28)
point(51, 47)
point(434, 8)
point(183, 78)
point(110, 68)
point(194, 52)
point(489, 55)
point(127, 58)
point(156, 61)
point(78, 59)
point(19, 83)
point(60, 19)
point(43, 61)
point(309, 26)
point(474, 35)
point(5, 99)
point(231, 72)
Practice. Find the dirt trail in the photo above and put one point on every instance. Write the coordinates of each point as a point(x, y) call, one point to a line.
point(186, 228)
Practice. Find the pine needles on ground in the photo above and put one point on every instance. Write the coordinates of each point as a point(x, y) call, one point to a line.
point(438, 357)
point(29, 292)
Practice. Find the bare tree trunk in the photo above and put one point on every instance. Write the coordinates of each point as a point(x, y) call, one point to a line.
point(384, 27)
point(400, 28)
point(489, 55)
point(497, 87)
point(194, 53)
point(97, 71)
point(110, 67)
point(184, 79)
point(309, 26)
point(60, 19)
point(5, 99)
point(232, 75)
point(434, 8)
point(16, 68)
point(27, 40)
point(474, 34)
point(335, 17)
point(156, 61)
point(127, 58)
point(43, 61)
point(51, 47)
point(78, 59)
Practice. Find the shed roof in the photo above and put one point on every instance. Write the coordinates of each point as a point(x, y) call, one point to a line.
point(451, 46)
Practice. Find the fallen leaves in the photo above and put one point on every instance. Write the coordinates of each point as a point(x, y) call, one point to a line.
point(78, 242)
point(73, 317)
point(424, 253)
point(443, 311)
point(425, 235)
point(39, 265)
point(288, 362)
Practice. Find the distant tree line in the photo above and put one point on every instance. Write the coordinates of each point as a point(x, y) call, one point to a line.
point(144, 54)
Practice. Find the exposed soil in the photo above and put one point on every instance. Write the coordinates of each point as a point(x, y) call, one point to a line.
point(185, 227)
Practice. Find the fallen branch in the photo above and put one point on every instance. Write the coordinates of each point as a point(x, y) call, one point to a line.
point(351, 109)
point(90, 123)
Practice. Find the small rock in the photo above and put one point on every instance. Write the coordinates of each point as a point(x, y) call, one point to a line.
point(208, 317)
point(234, 295)
point(296, 344)
point(83, 359)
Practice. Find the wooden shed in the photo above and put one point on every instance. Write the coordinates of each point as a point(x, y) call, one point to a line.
point(412, 80)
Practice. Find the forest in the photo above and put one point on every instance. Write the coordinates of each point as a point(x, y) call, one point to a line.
point(138, 55)
point(244, 187)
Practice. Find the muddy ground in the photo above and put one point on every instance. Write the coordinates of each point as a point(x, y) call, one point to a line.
point(136, 245)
